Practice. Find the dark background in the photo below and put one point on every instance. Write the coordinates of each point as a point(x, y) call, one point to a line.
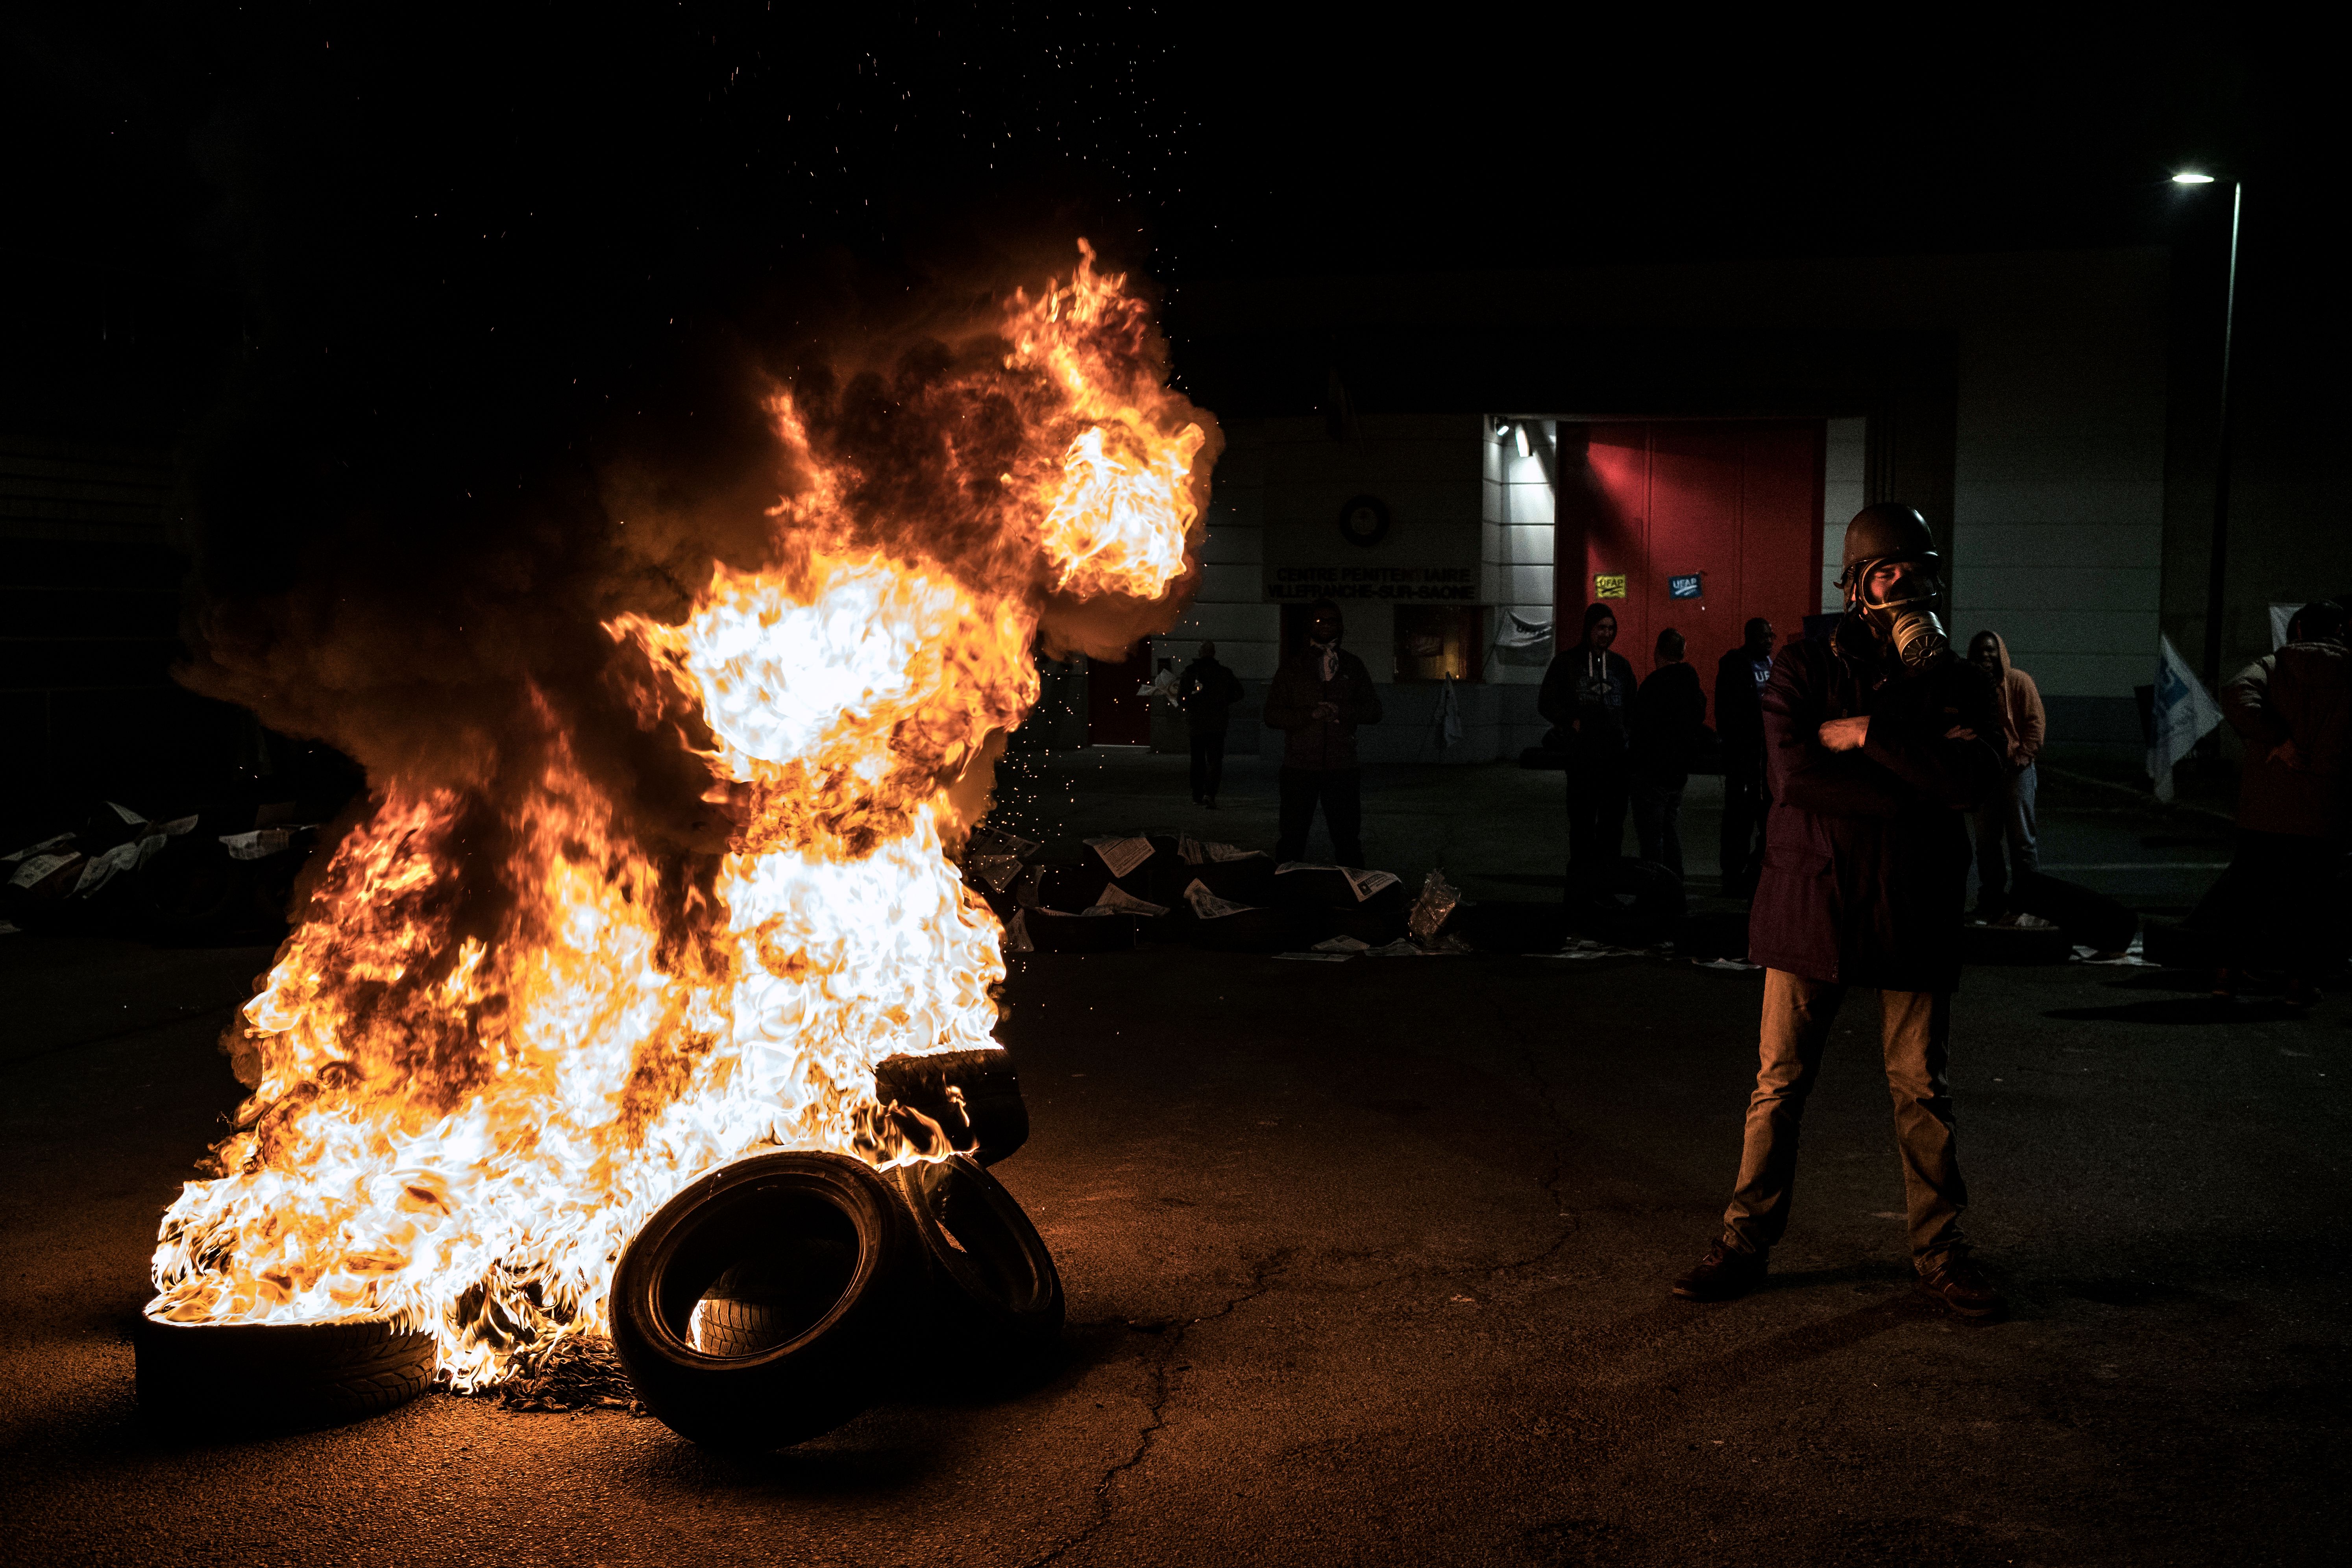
point(276, 275)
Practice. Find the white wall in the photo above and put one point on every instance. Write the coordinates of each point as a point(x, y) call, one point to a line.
point(2058, 486)
point(1517, 510)
point(1845, 478)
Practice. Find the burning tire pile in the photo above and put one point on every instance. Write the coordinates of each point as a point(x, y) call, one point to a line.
point(769, 1301)
point(644, 992)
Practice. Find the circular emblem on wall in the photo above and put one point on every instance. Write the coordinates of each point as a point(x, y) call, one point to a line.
point(1364, 519)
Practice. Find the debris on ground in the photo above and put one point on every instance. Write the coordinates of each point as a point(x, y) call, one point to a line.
point(1434, 906)
point(1580, 947)
point(575, 1373)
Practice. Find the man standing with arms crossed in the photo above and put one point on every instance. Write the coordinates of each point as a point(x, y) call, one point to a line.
point(1878, 744)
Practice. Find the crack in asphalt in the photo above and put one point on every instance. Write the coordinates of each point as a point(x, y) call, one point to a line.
point(1161, 1360)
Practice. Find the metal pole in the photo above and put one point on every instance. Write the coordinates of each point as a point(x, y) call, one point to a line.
point(2215, 597)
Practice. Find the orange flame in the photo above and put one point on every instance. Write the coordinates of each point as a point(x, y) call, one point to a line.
point(463, 1126)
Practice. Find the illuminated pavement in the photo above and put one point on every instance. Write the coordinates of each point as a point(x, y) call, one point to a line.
point(1366, 1263)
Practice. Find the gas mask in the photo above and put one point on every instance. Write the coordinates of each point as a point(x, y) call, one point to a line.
point(1906, 623)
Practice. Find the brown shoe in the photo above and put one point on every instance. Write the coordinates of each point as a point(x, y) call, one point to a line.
point(1960, 1286)
point(1724, 1273)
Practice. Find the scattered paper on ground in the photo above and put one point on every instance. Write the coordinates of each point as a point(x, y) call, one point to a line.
point(1206, 906)
point(1118, 899)
point(2128, 958)
point(1197, 851)
point(1122, 854)
point(1583, 947)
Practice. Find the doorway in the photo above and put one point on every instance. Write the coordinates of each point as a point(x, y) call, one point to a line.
point(1116, 714)
point(1693, 524)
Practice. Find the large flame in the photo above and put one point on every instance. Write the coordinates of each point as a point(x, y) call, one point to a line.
point(462, 1127)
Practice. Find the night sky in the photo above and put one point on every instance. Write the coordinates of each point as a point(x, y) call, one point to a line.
point(431, 250)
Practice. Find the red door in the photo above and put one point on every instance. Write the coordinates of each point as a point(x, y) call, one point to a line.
point(1735, 504)
point(1115, 716)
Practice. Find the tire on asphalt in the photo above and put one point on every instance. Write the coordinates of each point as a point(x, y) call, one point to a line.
point(769, 1302)
point(279, 1376)
point(996, 1297)
point(993, 1120)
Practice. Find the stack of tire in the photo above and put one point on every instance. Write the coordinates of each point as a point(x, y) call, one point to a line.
point(769, 1302)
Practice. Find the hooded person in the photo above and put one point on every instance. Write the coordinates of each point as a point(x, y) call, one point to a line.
point(1207, 692)
point(1588, 694)
point(1877, 743)
point(2006, 841)
point(1319, 696)
point(2275, 906)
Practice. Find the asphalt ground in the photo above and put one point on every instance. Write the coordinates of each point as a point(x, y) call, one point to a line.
point(1365, 1263)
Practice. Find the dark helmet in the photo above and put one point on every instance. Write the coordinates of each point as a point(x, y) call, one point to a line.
point(1889, 531)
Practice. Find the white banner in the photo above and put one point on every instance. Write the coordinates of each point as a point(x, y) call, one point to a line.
point(2182, 711)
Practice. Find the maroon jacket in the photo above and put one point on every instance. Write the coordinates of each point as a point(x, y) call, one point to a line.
point(2303, 692)
point(1866, 858)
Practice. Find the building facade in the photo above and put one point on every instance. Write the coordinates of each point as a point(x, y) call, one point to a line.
point(1461, 466)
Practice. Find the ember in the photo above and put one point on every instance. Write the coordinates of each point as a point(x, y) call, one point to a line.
point(462, 1128)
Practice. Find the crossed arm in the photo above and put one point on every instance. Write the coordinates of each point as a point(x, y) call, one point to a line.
point(1858, 766)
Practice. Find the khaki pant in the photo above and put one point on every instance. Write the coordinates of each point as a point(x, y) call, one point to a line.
point(1914, 1028)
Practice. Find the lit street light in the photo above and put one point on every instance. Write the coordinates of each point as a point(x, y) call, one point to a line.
point(2214, 596)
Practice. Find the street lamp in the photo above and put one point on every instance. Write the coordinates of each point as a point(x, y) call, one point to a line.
point(2214, 597)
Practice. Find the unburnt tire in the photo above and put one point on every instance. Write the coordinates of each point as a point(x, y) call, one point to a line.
point(995, 1295)
point(769, 1302)
point(278, 1375)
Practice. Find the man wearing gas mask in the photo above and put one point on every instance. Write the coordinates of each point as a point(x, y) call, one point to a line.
point(1878, 742)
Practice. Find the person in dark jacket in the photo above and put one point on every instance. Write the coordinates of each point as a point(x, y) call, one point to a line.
point(1589, 693)
point(1739, 677)
point(1878, 742)
point(1669, 714)
point(1318, 696)
point(2274, 907)
point(1207, 693)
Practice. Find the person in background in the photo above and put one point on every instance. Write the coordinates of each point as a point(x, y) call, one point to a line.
point(1318, 696)
point(1669, 712)
point(1589, 693)
point(1207, 693)
point(1739, 678)
point(2274, 905)
point(2006, 819)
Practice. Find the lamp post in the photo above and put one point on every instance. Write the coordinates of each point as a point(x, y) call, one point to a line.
point(2214, 596)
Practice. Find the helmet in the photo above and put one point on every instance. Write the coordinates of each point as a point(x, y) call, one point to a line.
point(1890, 532)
